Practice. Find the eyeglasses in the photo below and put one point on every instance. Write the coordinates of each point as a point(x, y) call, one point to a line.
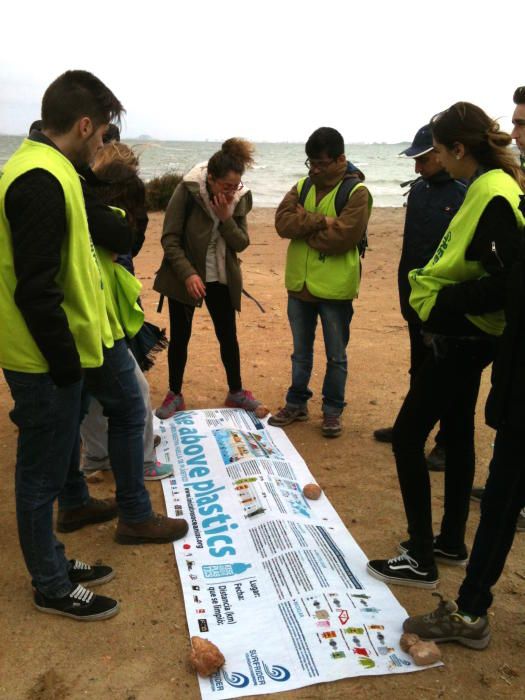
point(227, 187)
point(319, 164)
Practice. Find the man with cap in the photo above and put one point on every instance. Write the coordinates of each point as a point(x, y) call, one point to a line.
point(433, 199)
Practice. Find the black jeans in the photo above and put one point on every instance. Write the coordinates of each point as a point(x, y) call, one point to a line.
point(446, 387)
point(418, 353)
point(502, 501)
point(222, 314)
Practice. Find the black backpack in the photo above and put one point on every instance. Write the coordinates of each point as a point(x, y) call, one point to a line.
point(341, 198)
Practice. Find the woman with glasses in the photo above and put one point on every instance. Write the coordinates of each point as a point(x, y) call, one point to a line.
point(459, 296)
point(204, 229)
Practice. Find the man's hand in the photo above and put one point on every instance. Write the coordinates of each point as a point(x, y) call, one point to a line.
point(222, 206)
point(195, 287)
point(330, 220)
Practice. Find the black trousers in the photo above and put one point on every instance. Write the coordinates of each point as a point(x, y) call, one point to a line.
point(445, 387)
point(502, 501)
point(222, 314)
point(418, 353)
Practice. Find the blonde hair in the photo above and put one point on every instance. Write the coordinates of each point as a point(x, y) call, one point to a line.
point(115, 152)
point(116, 166)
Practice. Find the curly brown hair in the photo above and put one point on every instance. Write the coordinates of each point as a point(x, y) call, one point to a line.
point(235, 154)
point(116, 166)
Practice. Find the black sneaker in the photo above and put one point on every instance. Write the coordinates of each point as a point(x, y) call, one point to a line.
point(452, 557)
point(80, 604)
point(403, 571)
point(383, 434)
point(287, 415)
point(95, 575)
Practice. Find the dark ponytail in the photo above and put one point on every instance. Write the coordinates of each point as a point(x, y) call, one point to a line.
point(468, 124)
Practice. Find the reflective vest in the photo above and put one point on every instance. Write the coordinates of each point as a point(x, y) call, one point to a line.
point(79, 275)
point(449, 265)
point(121, 290)
point(325, 276)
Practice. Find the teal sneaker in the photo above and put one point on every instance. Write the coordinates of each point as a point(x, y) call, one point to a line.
point(157, 471)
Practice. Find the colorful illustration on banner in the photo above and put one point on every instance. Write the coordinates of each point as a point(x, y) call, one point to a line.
point(235, 445)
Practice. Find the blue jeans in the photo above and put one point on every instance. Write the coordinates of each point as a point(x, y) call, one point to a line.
point(501, 503)
point(116, 388)
point(335, 319)
point(47, 417)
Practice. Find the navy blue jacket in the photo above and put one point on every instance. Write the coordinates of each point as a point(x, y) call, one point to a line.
point(431, 205)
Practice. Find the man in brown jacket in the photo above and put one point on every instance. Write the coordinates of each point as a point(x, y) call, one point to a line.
point(322, 271)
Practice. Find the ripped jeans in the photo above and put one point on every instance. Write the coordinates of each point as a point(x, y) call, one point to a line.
point(335, 320)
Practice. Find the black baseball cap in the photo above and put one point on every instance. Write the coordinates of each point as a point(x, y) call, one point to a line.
point(421, 144)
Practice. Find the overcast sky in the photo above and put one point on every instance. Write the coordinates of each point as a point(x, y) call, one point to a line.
point(270, 71)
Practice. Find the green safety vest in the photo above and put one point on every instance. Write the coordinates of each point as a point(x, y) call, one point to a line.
point(79, 276)
point(325, 276)
point(121, 291)
point(448, 265)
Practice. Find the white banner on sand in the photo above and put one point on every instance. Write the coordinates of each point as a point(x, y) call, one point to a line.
point(275, 581)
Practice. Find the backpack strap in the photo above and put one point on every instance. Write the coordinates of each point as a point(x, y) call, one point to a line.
point(307, 184)
point(344, 192)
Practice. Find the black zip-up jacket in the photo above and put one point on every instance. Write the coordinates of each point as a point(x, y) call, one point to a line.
point(506, 400)
point(35, 208)
point(431, 205)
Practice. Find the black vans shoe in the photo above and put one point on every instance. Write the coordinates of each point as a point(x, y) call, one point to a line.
point(404, 570)
point(80, 604)
point(80, 572)
point(443, 555)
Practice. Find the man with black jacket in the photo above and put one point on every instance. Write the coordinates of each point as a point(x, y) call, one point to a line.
point(55, 334)
point(433, 200)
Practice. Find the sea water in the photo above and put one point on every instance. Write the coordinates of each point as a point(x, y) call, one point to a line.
point(278, 166)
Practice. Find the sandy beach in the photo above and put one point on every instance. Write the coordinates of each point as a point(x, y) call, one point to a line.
point(141, 654)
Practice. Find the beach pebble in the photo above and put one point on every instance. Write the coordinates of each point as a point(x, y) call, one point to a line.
point(262, 411)
point(205, 657)
point(425, 653)
point(408, 640)
point(312, 492)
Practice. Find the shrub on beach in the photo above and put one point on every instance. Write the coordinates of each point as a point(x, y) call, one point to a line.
point(159, 191)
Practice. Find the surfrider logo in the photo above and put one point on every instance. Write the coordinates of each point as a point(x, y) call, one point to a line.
point(276, 673)
point(235, 679)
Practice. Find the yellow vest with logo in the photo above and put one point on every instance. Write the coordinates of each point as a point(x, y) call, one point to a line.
point(449, 265)
point(326, 276)
point(79, 275)
point(121, 290)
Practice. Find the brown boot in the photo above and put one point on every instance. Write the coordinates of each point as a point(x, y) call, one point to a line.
point(157, 529)
point(96, 510)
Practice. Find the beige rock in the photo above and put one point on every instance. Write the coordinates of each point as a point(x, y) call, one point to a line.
point(262, 411)
point(408, 640)
point(312, 491)
point(205, 657)
point(425, 653)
